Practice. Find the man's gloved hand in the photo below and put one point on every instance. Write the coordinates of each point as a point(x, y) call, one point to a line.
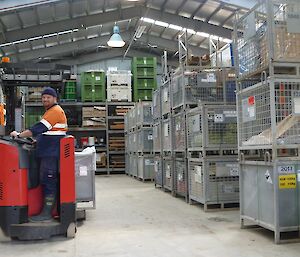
point(14, 134)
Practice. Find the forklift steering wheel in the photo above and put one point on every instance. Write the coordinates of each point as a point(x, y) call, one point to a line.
point(28, 140)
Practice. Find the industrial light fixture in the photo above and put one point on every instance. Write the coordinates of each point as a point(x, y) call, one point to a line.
point(116, 40)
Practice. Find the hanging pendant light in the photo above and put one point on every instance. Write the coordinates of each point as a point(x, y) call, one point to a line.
point(116, 40)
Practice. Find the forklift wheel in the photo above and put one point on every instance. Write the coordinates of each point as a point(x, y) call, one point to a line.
point(71, 231)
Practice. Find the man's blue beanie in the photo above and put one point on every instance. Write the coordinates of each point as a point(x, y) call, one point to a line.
point(49, 91)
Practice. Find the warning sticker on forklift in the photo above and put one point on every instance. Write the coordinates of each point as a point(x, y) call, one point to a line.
point(287, 181)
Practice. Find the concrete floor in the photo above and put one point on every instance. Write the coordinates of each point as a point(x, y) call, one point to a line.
point(135, 219)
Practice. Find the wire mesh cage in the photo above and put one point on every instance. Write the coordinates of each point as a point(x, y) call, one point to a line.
point(127, 164)
point(126, 124)
point(269, 114)
point(156, 104)
point(214, 181)
point(212, 126)
point(270, 31)
point(144, 113)
point(168, 172)
point(157, 137)
point(165, 98)
point(132, 142)
point(146, 167)
point(132, 118)
point(167, 135)
point(179, 132)
point(145, 140)
point(180, 177)
point(207, 85)
point(134, 165)
point(158, 171)
point(127, 145)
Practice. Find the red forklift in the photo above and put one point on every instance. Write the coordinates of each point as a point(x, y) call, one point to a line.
point(21, 194)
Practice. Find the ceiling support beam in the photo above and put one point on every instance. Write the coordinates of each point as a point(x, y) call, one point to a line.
point(78, 22)
point(162, 43)
point(123, 14)
point(110, 54)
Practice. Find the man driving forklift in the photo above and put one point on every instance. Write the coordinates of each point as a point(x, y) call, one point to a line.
point(48, 132)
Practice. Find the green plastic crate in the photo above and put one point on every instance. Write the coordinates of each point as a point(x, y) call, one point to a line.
point(142, 83)
point(93, 93)
point(144, 61)
point(142, 95)
point(93, 77)
point(144, 72)
point(70, 84)
point(70, 90)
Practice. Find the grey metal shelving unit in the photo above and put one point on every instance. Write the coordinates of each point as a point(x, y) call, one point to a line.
point(94, 131)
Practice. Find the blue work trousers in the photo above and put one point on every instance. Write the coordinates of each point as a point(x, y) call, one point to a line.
point(49, 175)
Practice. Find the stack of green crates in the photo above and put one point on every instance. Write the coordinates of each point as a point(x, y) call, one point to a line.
point(93, 86)
point(144, 70)
point(70, 90)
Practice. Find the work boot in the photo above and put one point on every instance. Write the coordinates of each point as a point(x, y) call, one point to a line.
point(46, 214)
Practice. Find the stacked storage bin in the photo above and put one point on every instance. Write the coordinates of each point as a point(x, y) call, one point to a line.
point(119, 85)
point(182, 91)
point(268, 117)
point(70, 90)
point(139, 142)
point(93, 87)
point(157, 137)
point(144, 70)
point(212, 159)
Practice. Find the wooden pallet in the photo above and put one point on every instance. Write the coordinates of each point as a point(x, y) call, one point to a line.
point(119, 125)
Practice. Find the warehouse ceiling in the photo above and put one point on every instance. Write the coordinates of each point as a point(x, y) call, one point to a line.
point(76, 31)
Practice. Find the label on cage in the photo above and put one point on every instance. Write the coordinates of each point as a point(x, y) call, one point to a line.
point(228, 189)
point(156, 166)
point(97, 78)
point(296, 105)
point(166, 98)
point(177, 126)
point(150, 137)
point(166, 128)
point(268, 177)
point(134, 138)
point(293, 16)
point(168, 171)
point(286, 169)
point(198, 174)
point(196, 123)
point(287, 181)
point(230, 114)
point(233, 169)
point(180, 177)
point(83, 171)
point(250, 26)
point(149, 162)
point(249, 109)
point(211, 77)
point(298, 175)
point(219, 118)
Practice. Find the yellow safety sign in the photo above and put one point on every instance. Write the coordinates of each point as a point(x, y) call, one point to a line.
point(287, 181)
